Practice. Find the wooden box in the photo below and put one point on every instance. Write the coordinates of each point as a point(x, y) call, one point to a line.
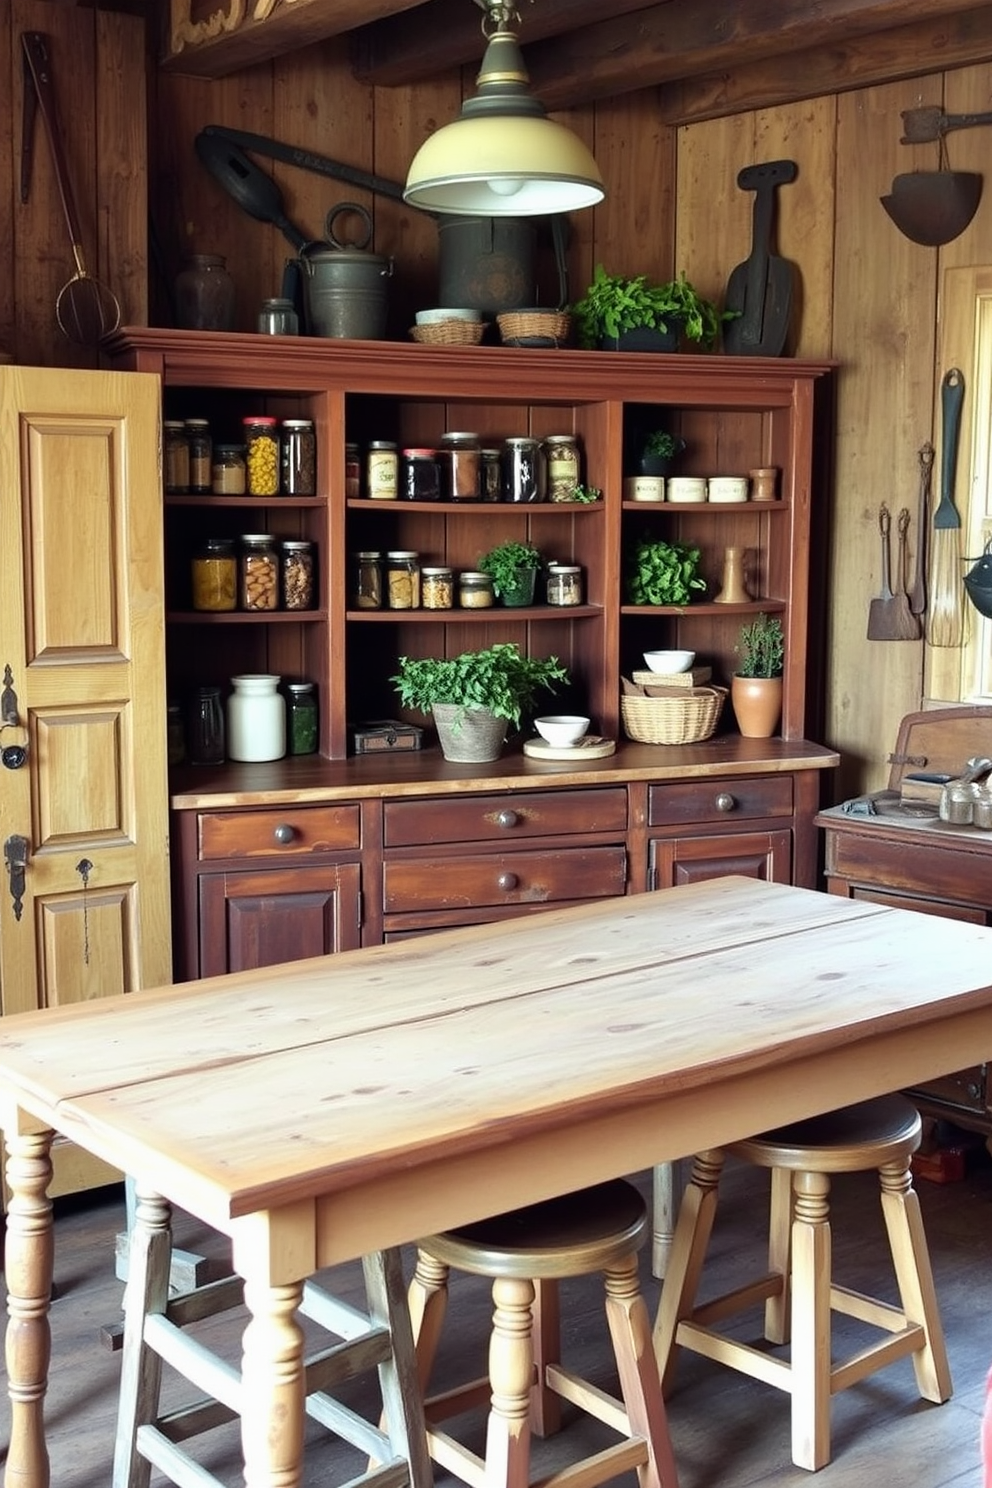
point(934, 747)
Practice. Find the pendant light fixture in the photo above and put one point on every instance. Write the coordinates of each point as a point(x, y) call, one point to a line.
point(503, 156)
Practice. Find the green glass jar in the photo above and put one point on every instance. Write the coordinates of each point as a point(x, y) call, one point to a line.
point(301, 718)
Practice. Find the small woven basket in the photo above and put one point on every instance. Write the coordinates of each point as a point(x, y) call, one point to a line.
point(535, 327)
point(449, 333)
point(684, 718)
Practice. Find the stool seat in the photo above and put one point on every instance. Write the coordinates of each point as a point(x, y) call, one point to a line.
point(598, 1229)
point(573, 1235)
point(798, 1291)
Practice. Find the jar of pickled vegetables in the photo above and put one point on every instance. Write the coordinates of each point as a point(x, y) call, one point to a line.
point(215, 575)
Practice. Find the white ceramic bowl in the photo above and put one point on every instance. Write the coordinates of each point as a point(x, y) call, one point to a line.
point(669, 661)
point(434, 317)
point(561, 729)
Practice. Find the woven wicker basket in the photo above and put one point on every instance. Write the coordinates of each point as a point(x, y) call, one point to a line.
point(682, 718)
point(534, 327)
point(449, 333)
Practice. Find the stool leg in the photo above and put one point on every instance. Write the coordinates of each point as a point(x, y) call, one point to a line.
point(778, 1306)
point(810, 1368)
point(402, 1397)
point(545, 1404)
point(911, 1258)
point(427, 1299)
point(630, 1330)
point(146, 1294)
point(692, 1235)
point(511, 1375)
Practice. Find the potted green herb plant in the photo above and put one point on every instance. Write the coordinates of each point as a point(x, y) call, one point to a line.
point(658, 451)
point(756, 686)
point(513, 567)
point(616, 311)
point(662, 573)
point(475, 696)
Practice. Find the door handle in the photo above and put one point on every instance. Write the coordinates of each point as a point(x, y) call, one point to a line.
point(15, 858)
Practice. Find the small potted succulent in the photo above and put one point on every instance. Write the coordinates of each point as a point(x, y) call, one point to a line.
point(475, 696)
point(513, 568)
point(756, 686)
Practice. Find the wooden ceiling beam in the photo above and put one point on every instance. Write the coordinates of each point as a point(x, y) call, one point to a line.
point(671, 42)
point(907, 51)
point(227, 35)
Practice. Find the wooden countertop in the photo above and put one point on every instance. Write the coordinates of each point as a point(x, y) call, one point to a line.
point(425, 772)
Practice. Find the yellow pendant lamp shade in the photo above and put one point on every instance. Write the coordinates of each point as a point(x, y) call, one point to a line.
point(503, 157)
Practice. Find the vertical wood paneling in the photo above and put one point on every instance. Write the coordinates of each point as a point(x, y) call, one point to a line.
point(9, 60)
point(122, 152)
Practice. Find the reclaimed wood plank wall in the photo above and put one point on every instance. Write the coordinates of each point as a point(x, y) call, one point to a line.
point(870, 298)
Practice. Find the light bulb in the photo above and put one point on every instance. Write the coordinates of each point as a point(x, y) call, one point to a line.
point(506, 185)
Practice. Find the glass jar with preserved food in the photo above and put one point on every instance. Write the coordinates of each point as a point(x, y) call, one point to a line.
point(492, 475)
point(256, 718)
point(524, 470)
point(564, 584)
point(262, 454)
point(562, 454)
point(301, 718)
point(228, 476)
point(420, 479)
point(299, 458)
point(259, 585)
point(402, 580)
point(352, 471)
point(201, 449)
point(278, 318)
point(437, 588)
point(175, 457)
point(460, 459)
point(215, 575)
point(368, 581)
point(297, 574)
point(381, 471)
point(475, 590)
point(205, 733)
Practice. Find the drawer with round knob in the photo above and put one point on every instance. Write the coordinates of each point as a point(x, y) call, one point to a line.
point(493, 878)
point(714, 800)
point(505, 817)
point(282, 831)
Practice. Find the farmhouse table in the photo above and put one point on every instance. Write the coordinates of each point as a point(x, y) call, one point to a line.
point(319, 1110)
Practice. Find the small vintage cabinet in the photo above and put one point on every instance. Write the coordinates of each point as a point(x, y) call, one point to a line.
point(904, 856)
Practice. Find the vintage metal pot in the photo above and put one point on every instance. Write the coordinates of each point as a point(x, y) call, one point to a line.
point(344, 287)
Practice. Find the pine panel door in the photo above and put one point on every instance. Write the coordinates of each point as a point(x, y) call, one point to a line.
point(82, 658)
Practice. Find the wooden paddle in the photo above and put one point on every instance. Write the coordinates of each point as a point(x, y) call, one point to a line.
point(761, 287)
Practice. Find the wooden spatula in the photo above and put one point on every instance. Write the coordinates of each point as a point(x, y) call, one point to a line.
point(889, 617)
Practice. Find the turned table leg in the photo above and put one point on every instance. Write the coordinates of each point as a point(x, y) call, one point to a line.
point(273, 1387)
point(29, 1256)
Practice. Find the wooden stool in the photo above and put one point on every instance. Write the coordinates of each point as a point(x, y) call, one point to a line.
point(880, 1134)
point(380, 1340)
point(597, 1229)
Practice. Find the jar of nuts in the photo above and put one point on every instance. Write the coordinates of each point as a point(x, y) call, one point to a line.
point(296, 571)
point(259, 586)
point(262, 455)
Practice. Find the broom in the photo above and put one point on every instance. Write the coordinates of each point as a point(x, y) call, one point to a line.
point(946, 621)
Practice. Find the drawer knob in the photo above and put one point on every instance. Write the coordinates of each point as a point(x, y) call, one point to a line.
point(508, 881)
point(508, 819)
point(725, 801)
point(284, 833)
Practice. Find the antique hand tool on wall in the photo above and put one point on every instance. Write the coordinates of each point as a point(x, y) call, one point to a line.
point(761, 287)
point(889, 616)
point(918, 587)
point(946, 622)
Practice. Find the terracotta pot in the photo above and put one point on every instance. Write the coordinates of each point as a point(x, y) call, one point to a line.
point(468, 735)
point(757, 703)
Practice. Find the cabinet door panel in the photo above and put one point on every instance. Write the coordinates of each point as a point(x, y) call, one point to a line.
point(261, 919)
point(683, 860)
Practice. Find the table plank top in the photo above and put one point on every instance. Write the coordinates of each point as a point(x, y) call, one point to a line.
point(310, 1077)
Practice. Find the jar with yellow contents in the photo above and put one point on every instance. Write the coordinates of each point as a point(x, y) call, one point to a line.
point(215, 575)
point(262, 455)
